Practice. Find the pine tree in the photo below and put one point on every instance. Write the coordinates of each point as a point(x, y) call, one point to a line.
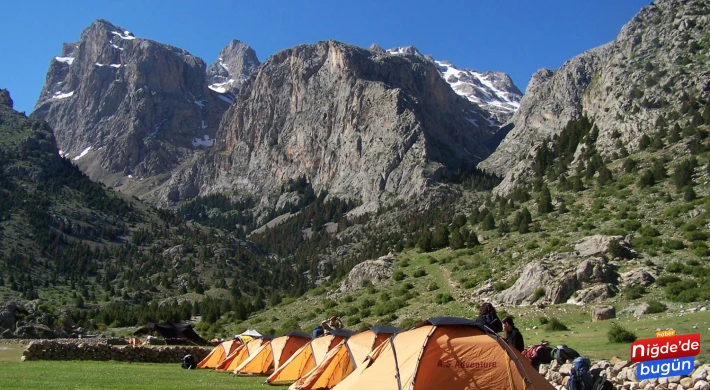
point(489, 222)
point(644, 142)
point(424, 242)
point(706, 113)
point(675, 134)
point(441, 238)
point(457, 241)
point(544, 201)
point(472, 240)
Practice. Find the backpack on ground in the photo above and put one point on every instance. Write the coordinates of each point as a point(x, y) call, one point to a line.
point(601, 383)
point(562, 353)
point(580, 377)
point(318, 331)
point(538, 354)
point(188, 362)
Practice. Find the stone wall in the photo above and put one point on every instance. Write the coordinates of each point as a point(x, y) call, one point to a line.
point(53, 350)
point(622, 374)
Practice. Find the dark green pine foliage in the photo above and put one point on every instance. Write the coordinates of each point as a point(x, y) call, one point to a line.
point(683, 173)
point(544, 201)
point(488, 222)
point(674, 135)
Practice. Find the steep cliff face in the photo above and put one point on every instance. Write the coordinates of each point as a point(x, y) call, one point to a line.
point(125, 108)
point(494, 92)
point(234, 65)
point(655, 68)
point(360, 124)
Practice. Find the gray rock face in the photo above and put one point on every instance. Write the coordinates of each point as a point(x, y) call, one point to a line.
point(624, 87)
point(5, 98)
point(233, 66)
point(371, 271)
point(595, 245)
point(638, 277)
point(125, 108)
point(8, 313)
point(360, 125)
point(494, 92)
point(592, 294)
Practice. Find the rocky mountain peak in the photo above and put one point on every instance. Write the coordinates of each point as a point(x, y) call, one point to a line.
point(375, 48)
point(126, 108)
point(5, 98)
point(494, 92)
point(235, 63)
point(652, 73)
point(357, 125)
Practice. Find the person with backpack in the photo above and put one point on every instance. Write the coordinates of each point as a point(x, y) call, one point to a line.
point(581, 377)
point(487, 316)
point(512, 334)
point(539, 354)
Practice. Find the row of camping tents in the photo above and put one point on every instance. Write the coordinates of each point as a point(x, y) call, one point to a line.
point(442, 352)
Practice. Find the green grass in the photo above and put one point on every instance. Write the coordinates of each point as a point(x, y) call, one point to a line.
point(115, 375)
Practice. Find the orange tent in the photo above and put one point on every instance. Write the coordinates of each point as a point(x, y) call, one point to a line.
point(306, 358)
point(445, 353)
point(343, 359)
point(218, 354)
point(272, 355)
point(242, 353)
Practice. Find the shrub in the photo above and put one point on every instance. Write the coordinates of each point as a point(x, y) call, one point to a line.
point(543, 320)
point(649, 231)
point(666, 280)
point(689, 193)
point(538, 293)
point(635, 292)
point(675, 267)
point(408, 323)
point(674, 245)
point(555, 324)
point(398, 275)
point(419, 272)
point(695, 236)
point(655, 306)
point(618, 334)
point(443, 298)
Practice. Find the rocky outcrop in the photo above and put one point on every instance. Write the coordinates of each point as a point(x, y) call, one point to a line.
point(653, 70)
point(638, 276)
point(233, 66)
point(5, 98)
point(8, 315)
point(357, 124)
point(559, 278)
point(125, 108)
point(597, 244)
point(368, 272)
point(602, 313)
point(79, 350)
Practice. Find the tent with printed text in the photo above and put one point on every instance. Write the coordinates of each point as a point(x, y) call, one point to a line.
point(306, 358)
point(445, 353)
point(242, 353)
point(342, 359)
point(273, 354)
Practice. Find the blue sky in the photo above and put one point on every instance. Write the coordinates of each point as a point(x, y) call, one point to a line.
point(514, 36)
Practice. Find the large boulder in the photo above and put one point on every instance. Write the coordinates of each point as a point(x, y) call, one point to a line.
point(639, 276)
point(592, 294)
point(534, 276)
point(34, 331)
point(597, 244)
point(602, 313)
point(371, 271)
point(595, 270)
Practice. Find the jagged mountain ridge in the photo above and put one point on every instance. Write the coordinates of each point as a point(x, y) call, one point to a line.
point(494, 92)
point(654, 69)
point(231, 69)
point(126, 108)
point(358, 124)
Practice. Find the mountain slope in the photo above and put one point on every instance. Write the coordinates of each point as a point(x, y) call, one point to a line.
point(126, 108)
point(358, 124)
point(493, 92)
point(651, 75)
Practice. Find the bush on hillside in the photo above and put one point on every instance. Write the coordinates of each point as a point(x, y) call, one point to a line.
point(419, 272)
point(655, 306)
point(398, 275)
point(634, 292)
point(666, 280)
point(555, 325)
point(443, 298)
point(538, 293)
point(618, 334)
point(544, 320)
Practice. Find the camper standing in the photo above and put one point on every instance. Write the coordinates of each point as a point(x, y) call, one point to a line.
point(487, 316)
point(331, 324)
point(512, 334)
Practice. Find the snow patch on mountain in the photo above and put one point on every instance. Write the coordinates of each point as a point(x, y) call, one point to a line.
point(59, 95)
point(205, 141)
point(125, 35)
point(82, 154)
point(66, 60)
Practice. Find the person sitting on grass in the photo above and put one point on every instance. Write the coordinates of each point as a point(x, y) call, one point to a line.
point(331, 324)
point(512, 334)
point(487, 316)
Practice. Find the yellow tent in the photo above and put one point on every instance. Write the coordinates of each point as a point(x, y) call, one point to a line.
point(445, 353)
point(241, 354)
point(342, 359)
point(273, 354)
point(306, 358)
point(218, 354)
